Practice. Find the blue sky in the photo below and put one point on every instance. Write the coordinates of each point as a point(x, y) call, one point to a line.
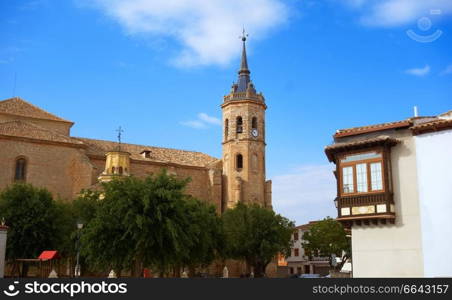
point(160, 68)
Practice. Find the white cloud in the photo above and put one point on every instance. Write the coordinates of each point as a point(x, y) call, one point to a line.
point(447, 70)
point(388, 13)
point(208, 119)
point(203, 122)
point(194, 124)
point(419, 71)
point(207, 31)
point(306, 194)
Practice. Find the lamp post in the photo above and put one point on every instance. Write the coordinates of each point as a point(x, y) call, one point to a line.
point(77, 266)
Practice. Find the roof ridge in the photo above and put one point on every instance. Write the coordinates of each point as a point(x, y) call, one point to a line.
point(373, 125)
point(53, 116)
point(372, 128)
point(99, 140)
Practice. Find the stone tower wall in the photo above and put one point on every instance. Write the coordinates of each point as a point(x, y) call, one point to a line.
point(248, 183)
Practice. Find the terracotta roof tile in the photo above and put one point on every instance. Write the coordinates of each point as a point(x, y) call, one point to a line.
point(182, 157)
point(436, 125)
point(19, 107)
point(32, 131)
point(331, 150)
point(372, 128)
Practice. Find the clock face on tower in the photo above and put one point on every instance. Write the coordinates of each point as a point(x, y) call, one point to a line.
point(254, 132)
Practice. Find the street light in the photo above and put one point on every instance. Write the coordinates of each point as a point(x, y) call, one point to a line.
point(336, 202)
point(77, 266)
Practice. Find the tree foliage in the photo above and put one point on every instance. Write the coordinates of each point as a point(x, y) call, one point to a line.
point(256, 235)
point(325, 238)
point(150, 221)
point(205, 229)
point(33, 218)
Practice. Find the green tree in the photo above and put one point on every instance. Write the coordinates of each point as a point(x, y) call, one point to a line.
point(325, 238)
point(150, 222)
point(65, 225)
point(204, 228)
point(256, 235)
point(107, 239)
point(84, 207)
point(33, 220)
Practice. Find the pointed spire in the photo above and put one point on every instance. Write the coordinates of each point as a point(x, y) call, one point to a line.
point(244, 62)
point(244, 72)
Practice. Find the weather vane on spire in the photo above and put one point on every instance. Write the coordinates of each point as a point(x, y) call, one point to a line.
point(244, 35)
point(120, 131)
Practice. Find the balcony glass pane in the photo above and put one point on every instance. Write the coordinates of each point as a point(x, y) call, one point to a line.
point(361, 156)
point(376, 176)
point(361, 177)
point(347, 180)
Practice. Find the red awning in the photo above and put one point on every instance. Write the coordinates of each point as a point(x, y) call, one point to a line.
point(49, 254)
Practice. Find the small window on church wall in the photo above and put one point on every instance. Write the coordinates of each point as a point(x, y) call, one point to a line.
point(239, 125)
point(226, 128)
point(254, 123)
point(120, 170)
point(113, 170)
point(21, 165)
point(239, 162)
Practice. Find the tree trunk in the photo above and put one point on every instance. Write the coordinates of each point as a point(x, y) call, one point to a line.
point(191, 271)
point(24, 270)
point(259, 269)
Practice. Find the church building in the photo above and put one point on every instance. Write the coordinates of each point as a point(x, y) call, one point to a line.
point(37, 147)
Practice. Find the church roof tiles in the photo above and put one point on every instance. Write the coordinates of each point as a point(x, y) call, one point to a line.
point(158, 154)
point(19, 107)
point(31, 131)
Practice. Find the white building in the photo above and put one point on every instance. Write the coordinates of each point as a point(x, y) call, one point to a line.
point(298, 262)
point(394, 185)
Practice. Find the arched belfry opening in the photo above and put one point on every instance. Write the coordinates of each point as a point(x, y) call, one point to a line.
point(239, 125)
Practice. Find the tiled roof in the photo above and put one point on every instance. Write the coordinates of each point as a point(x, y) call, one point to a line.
point(19, 107)
point(31, 131)
point(436, 125)
point(182, 157)
point(346, 146)
point(372, 128)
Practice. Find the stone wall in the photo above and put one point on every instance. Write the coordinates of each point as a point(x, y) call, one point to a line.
point(60, 127)
point(246, 184)
point(63, 170)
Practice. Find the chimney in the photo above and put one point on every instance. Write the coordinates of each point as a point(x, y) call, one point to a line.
point(416, 112)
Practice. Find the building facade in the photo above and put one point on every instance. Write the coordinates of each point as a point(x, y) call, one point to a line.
point(394, 192)
point(299, 262)
point(37, 147)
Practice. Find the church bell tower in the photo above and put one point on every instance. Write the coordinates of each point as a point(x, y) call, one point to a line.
point(244, 142)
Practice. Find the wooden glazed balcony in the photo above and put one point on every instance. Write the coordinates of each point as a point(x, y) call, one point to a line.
point(366, 208)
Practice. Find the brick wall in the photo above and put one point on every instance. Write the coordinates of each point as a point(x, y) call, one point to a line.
point(63, 170)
